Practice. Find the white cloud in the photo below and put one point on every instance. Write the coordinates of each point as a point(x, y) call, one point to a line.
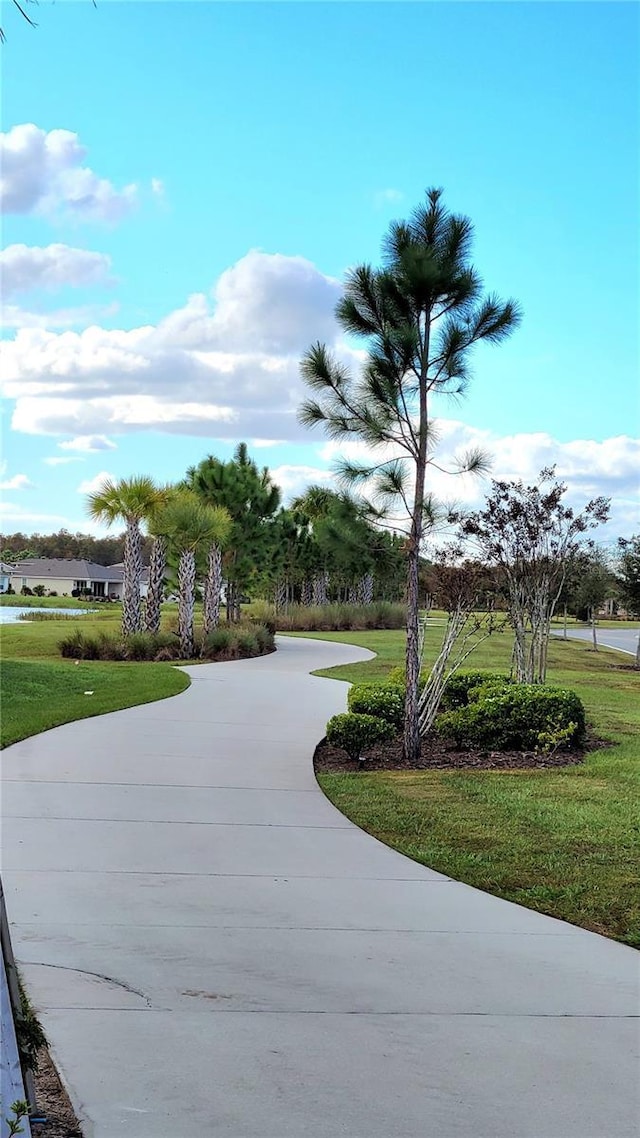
point(157, 187)
point(294, 480)
point(87, 444)
point(15, 317)
point(90, 485)
point(51, 267)
point(31, 521)
point(227, 369)
point(589, 468)
point(17, 482)
point(42, 172)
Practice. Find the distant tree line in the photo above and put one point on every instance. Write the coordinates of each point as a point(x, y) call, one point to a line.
point(100, 550)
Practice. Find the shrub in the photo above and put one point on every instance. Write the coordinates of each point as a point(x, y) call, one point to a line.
point(26, 591)
point(385, 701)
point(456, 693)
point(218, 642)
point(355, 733)
point(38, 590)
point(164, 655)
point(77, 646)
point(518, 717)
point(142, 645)
point(265, 636)
point(247, 643)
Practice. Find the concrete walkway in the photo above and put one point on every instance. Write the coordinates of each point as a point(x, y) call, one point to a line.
point(216, 951)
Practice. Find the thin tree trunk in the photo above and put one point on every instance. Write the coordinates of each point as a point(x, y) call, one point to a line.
point(593, 628)
point(411, 719)
point(186, 602)
point(131, 608)
point(213, 589)
point(157, 567)
point(637, 662)
point(565, 623)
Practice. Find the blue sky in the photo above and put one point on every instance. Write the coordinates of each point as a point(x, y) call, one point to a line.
point(265, 148)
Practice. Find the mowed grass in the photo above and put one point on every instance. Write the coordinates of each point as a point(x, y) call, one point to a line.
point(563, 841)
point(39, 690)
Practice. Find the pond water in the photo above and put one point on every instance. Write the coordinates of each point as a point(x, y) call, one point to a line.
point(10, 614)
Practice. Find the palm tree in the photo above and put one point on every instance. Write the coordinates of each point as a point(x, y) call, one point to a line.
point(213, 582)
point(192, 526)
point(157, 563)
point(420, 315)
point(130, 500)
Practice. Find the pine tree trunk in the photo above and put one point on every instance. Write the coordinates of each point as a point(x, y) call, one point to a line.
point(186, 602)
point(157, 567)
point(411, 721)
point(131, 607)
point(213, 589)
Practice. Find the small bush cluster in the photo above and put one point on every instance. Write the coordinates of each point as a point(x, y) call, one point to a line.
point(331, 618)
point(355, 733)
point(516, 717)
point(232, 642)
point(385, 701)
point(463, 687)
point(107, 646)
point(239, 641)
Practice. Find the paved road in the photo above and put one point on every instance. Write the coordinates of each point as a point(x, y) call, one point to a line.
point(216, 951)
point(623, 639)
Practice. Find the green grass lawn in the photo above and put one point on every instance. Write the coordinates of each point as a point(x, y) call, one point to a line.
point(39, 694)
point(40, 690)
point(14, 600)
point(564, 841)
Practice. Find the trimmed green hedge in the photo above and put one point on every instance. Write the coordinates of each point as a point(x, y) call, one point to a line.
point(356, 733)
point(517, 717)
point(385, 701)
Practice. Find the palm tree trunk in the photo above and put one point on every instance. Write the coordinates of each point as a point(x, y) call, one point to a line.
point(306, 596)
point(213, 589)
point(280, 596)
point(186, 602)
point(157, 567)
point(131, 608)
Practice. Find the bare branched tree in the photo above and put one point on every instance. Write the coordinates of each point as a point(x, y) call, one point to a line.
point(533, 537)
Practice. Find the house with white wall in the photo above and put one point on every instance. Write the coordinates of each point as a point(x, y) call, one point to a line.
point(69, 576)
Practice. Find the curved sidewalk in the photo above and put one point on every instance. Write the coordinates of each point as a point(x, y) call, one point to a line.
point(216, 951)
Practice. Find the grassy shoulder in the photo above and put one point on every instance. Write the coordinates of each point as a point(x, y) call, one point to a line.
point(39, 694)
point(40, 691)
point(564, 841)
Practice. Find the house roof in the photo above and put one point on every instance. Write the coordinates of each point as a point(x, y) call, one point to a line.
point(66, 568)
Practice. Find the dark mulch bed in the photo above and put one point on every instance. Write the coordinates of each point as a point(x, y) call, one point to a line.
point(53, 1102)
point(439, 754)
